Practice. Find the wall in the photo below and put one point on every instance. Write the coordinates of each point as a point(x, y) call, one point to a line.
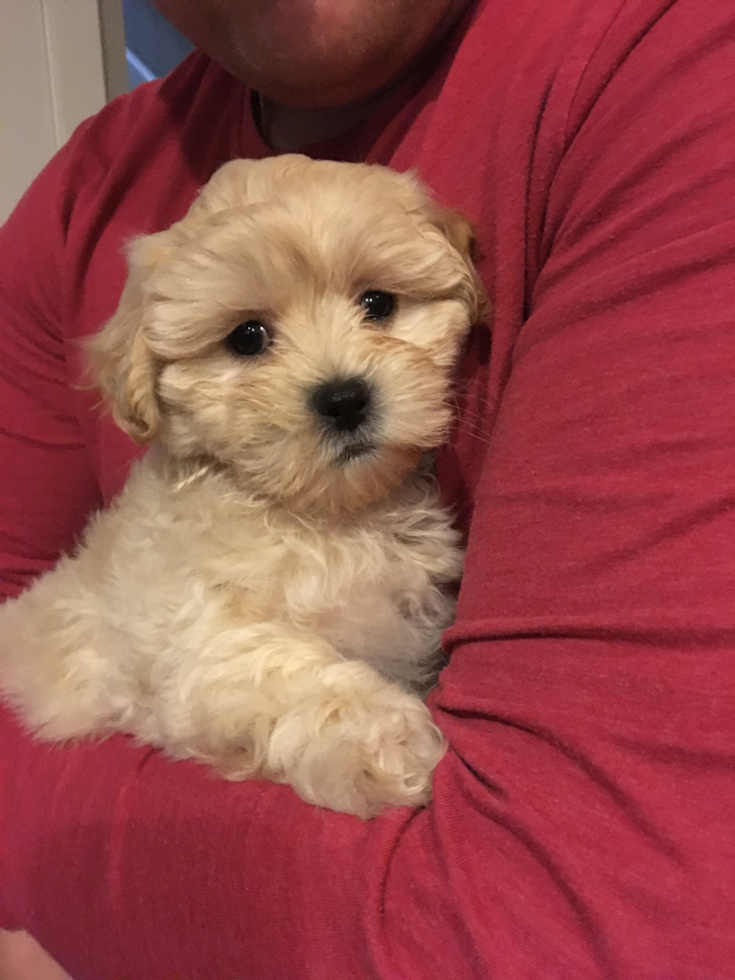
point(60, 60)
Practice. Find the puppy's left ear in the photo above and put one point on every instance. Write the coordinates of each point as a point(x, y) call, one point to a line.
point(460, 234)
point(457, 229)
point(120, 361)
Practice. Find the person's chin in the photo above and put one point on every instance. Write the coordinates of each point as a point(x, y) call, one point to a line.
point(319, 84)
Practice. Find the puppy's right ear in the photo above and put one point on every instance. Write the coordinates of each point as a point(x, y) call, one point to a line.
point(120, 361)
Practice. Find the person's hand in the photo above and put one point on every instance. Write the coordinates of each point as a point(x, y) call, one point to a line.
point(21, 958)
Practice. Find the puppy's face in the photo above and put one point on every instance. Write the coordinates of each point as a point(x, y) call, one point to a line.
point(298, 328)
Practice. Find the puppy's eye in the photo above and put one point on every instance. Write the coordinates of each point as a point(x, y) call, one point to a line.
point(248, 339)
point(377, 304)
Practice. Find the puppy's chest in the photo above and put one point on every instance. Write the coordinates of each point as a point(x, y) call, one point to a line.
point(375, 592)
point(300, 576)
point(378, 589)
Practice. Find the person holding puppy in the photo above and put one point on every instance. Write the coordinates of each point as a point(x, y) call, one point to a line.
point(583, 817)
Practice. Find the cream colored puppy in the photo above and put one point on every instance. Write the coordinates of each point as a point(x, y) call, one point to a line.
point(268, 592)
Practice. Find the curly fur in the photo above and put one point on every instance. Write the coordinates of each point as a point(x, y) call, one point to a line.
point(258, 596)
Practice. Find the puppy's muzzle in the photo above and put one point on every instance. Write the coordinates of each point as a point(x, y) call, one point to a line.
point(344, 404)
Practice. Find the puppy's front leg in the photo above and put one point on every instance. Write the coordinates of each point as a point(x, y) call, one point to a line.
point(273, 701)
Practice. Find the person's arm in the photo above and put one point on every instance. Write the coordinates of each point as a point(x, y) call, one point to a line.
point(47, 484)
point(584, 817)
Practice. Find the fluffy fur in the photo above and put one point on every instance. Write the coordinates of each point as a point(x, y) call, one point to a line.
point(268, 592)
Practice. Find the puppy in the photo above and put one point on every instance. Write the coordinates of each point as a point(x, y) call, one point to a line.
point(268, 592)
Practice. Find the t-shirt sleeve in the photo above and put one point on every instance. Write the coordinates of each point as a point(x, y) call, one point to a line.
point(47, 487)
point(583, 820)
point(591, 689)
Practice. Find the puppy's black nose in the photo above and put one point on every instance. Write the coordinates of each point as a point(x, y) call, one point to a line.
point(343, 402)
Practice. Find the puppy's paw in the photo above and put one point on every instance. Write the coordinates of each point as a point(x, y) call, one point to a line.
point(359, 747)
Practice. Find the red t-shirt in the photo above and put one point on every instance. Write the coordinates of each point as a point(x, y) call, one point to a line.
point(583, 824)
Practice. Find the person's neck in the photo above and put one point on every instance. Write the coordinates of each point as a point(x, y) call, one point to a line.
point(288, 129)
